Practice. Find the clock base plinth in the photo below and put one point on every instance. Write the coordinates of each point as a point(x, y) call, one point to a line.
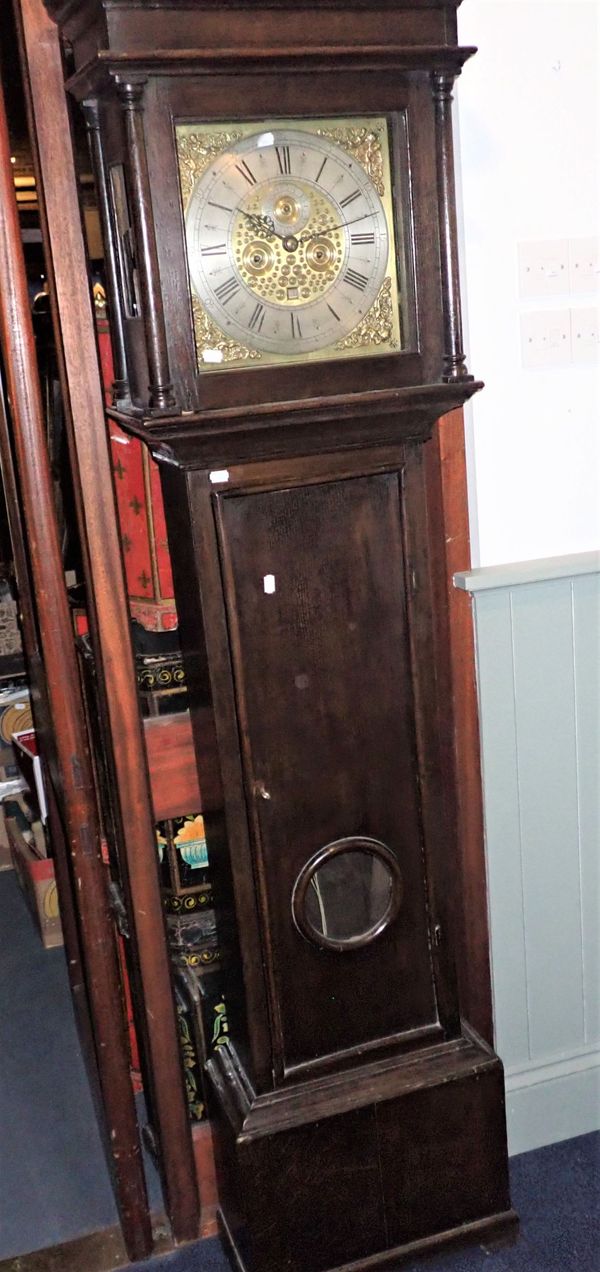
point(362, 1169)
point(490, 1234)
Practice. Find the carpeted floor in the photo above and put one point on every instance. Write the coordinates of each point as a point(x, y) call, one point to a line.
point(54, 1182)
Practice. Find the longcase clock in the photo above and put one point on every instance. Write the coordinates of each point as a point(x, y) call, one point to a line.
point(277, 195)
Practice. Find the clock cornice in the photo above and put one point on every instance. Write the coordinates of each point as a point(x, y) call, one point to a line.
point(126, 66)
point(95, 26)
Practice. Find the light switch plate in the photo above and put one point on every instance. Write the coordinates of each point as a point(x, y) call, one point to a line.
point(585, 335)
point(546, 338)
point(584, 264)
point(543, 269)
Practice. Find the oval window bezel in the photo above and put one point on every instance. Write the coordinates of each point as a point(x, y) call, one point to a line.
point(352, 843)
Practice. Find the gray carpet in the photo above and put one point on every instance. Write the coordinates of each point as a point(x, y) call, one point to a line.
point(54, 1181)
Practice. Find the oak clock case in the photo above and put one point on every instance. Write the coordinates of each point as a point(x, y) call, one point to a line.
point(358, 1119)
point(397, 338)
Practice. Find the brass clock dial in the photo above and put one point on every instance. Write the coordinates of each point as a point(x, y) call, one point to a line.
point(290, 241)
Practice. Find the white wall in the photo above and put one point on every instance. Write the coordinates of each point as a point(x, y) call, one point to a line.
point(529, 154)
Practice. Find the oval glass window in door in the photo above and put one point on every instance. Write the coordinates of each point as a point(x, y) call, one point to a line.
point(348, 893)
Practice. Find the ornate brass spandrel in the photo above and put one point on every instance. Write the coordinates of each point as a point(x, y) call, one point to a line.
point(377, 327)
point(196, 150)
point(365, 145)
point(209, 336)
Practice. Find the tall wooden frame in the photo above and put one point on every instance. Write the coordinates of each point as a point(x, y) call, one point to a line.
point(447, 480)
point(315, 475)
point(105, 588)
point(134, 792)
point(81, 874)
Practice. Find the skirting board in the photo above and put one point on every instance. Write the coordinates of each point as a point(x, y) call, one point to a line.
point(553, 1102)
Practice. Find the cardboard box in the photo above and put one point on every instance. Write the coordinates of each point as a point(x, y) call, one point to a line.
point(15, 715)
point(31, 768)
point(5, 857)
point(36, 876)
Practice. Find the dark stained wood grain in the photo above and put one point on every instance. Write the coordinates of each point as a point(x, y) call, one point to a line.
point(346, 1150)
point(447, 483)
point(111, 638)
point(432, 1145)
point(80, 850)
point(264, 663)
point(432, 733)
point(454, 356)
point(430, 1168)
point(205, 1166)
point(489, 1234)
point(204, 642)
point(160, 393)
point(408, 103)
point(216, 439)
point(256, 24)
point(323, 678)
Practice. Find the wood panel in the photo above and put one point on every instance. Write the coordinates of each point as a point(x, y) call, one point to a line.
point(544, 696)
point(586, 658)
point(449, 512)
point(539, 684)
point(414, 1148)
point(326, 706)
point(503, 828)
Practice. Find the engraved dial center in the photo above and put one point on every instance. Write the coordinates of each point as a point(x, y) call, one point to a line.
point(286, 269)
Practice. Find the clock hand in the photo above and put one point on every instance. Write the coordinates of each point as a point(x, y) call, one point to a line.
point(266, 225)
point(305, 238)
point(263, 223)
